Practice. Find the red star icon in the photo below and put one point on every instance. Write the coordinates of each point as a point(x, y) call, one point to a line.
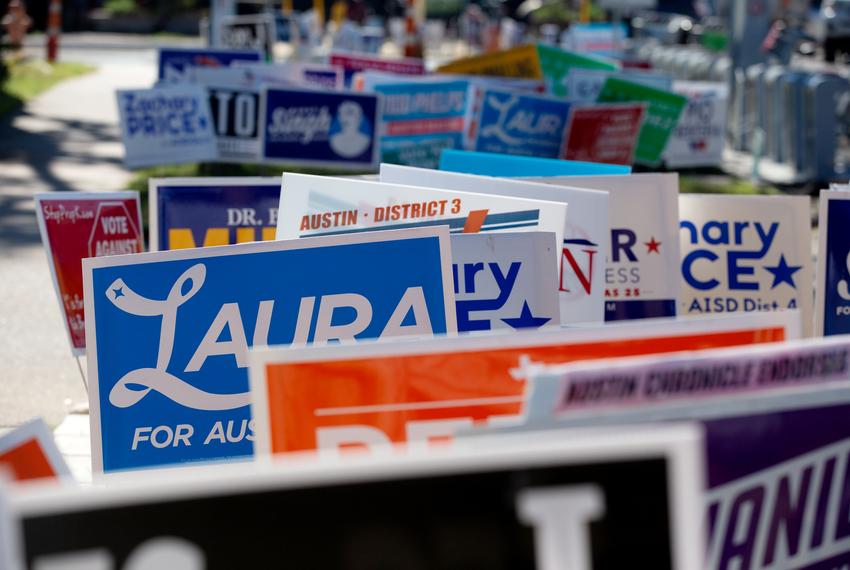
point(652, 245)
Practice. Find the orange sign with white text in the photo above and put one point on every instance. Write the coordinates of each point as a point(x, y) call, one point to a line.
point(333, 398)
point(29, 452)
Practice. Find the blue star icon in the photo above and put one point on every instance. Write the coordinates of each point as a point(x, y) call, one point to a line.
point(526, 320)
point(783, 273)
point(119, 292)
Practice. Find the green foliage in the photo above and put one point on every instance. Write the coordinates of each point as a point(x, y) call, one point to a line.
point(29, 78)
point(721, 185)
point(119, 7)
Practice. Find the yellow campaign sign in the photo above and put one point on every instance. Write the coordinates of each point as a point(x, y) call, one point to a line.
point(522, 61)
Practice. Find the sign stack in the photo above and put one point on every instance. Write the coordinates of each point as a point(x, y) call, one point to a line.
point(499, 349)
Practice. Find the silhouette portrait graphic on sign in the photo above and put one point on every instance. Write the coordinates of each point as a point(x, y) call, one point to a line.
point(347, 139)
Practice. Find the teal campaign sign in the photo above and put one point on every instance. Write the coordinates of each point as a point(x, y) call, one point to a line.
point(492, 164)
point(169, 332)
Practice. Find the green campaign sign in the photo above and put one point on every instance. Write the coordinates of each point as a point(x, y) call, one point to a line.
point(556, 63)
point(662, 114)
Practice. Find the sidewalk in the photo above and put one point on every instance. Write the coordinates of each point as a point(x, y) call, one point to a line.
point(66, 140)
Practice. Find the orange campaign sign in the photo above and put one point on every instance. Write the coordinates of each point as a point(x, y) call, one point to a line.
point(29, 452)
point(336, 398)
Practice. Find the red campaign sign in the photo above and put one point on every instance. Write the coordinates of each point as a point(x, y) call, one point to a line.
point(362, 62)
point(76, 225)
point(604, 133)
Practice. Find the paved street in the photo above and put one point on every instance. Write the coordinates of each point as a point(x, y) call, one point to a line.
point(66, 140)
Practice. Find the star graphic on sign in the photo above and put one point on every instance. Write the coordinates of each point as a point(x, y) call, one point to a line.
point(783, 273)
point(652, 245)
point(119, 292)
point(526, 320)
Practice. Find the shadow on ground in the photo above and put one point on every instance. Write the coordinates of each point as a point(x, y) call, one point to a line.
point(28, 160)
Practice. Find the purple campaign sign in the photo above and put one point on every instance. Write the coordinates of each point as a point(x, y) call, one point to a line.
point(779, 488)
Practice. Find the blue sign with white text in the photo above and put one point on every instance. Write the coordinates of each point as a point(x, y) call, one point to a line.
point(170, 332)
point(492, 164)
point(320, 128)
point(421, 119)
point(836, 286)
point(174, 61)
point(198, 215)
point(516, 123)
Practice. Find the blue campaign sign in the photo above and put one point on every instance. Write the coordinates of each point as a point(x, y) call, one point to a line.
point(168, 333)
point(174, 61)
point(195, 212)
point(320, 128)
point(833, 284)
point(491, 164)
point(517, 123)
point(421, 119)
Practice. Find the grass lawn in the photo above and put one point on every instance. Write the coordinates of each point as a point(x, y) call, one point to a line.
point(29, 78)
point(696, 184)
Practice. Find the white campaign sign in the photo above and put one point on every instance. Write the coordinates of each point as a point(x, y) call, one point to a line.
point(321, 205)
point(643, 263)
point(586, 234)
point(505, 280)
point(746, 253)
point(167, 125)
point(699, 138)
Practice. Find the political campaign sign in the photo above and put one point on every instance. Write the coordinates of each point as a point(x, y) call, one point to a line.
point(421, 119)
point(174, 61)
point(494, 164)
point(28, 452)
point(234, 99)
point(166, 125)
point(652, 382)
point(595, 37)
point(173, 388)
point(315, 75)
point(584, 85)
point(516, 123)
point(195, 212)
point(776, 470)
point(505, 281)
point(520, 62)
point(832, 311)
point(641, 267)
point(700, 135)
point(351, 63)
point(548, 505)
point(604, 133)
point(662, 114)
point(746, 253)
point(76, 225)
point(557, 65)
point(254, 32)
point(333, 397)
point(581, 282)
point(321, 128)
point(320, 205)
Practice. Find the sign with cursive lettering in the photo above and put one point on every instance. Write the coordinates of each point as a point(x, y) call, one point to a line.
point(517, 123)
point(320, 128)
point(169, 332)
point(76, 225)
